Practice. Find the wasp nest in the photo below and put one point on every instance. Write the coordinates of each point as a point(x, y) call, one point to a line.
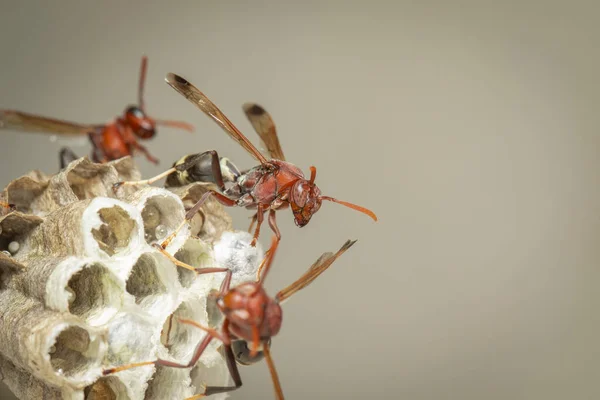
point(82, 288)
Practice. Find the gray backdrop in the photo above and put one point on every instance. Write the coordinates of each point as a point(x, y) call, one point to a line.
point(471, 129)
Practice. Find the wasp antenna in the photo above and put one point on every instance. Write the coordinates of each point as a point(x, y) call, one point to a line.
point(313, 174)
point(352, 206)
point(175, 124)
point(142, 82)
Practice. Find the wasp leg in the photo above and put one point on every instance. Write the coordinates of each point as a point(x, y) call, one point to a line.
point(187, 163)
point(98, 154)
point(231, 365)
point(254, 217)
point(197, 354)
point(145, 152)
point(66, 156)
point(259, 220)
point(181, 264)
point(273, 224)
point(226, 201)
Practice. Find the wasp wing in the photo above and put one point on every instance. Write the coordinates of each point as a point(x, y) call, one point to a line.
point(195, 96)
point(21, 121)
point(265, 127)
point(313, 272)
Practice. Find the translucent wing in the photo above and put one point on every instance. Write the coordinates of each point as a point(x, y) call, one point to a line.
point(313, 272)
point(265, 127)
point(194, 95)
point(21, 121)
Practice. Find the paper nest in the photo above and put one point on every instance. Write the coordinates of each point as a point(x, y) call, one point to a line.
point(84, 289)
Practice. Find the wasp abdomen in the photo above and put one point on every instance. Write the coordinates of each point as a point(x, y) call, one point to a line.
point(198, 168)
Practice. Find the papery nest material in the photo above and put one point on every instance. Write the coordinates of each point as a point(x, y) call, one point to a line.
point(83, 288)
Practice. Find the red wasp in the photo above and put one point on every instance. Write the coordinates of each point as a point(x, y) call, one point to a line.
point(251, 316)
point(274, 184)
point(111, 141)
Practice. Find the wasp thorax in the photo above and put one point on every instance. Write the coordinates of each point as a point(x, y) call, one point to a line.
point(305, 201)
point(141, 125)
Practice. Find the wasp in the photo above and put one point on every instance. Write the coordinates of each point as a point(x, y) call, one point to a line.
point(251, 319)
point(111, 141)
point(272, 185)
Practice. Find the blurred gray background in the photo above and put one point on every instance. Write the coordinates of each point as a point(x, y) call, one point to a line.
point(471, 129)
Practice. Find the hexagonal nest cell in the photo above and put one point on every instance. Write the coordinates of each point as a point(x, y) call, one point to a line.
point(114, 234)
point(95, 293)
point(144, 280)
point(88, 180)
point(67, 355)
point(159, 218)
point(196, 254)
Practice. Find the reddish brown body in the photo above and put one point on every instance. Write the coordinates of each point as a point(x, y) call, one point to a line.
point(109, 142)
point(113, 144)
point(267, 185)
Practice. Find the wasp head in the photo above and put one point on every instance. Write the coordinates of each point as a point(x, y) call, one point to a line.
point(305, 200)
point(142, 126)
